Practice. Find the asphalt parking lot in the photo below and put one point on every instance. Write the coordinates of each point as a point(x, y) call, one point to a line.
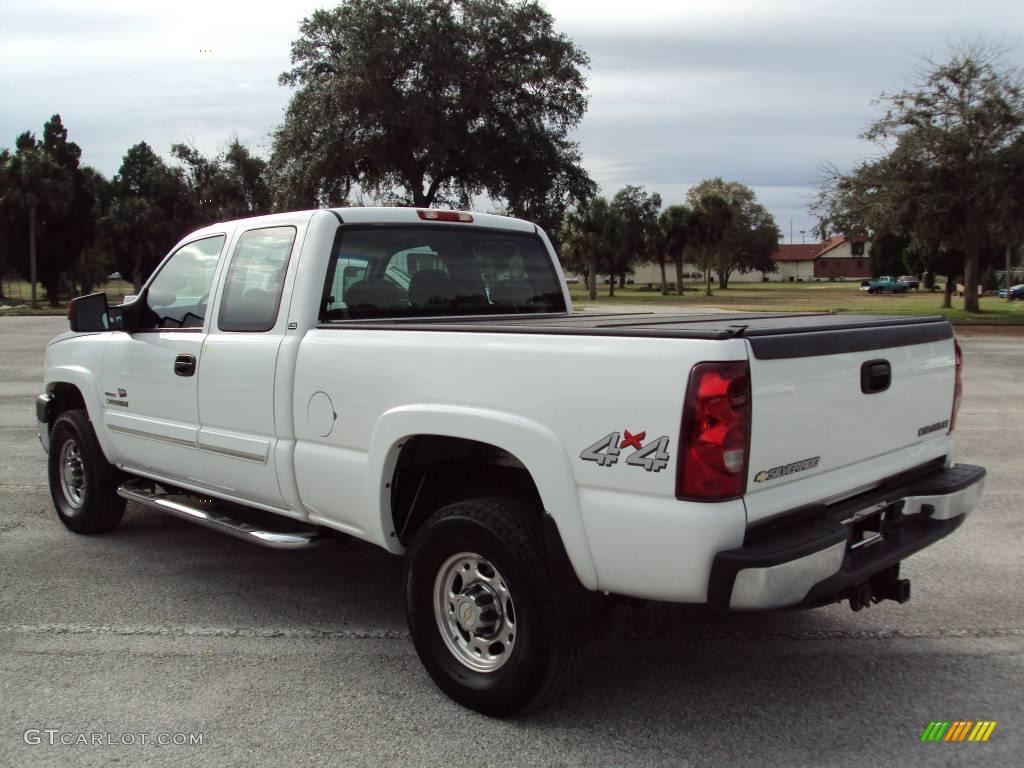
point(303, 659)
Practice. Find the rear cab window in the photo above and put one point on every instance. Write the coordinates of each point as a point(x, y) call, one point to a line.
point(255, 280)
point(378, 272)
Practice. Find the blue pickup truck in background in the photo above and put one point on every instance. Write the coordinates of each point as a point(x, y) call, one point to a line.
point(885, 285)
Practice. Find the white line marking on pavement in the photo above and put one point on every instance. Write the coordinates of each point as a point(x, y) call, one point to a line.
point(395, 634)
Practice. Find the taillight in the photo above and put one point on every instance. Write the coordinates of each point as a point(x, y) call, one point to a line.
point(715, 435)
point(958, 387)
point(431, 214)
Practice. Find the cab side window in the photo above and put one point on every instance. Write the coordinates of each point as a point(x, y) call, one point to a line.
point(180, 292)
point(255, 279)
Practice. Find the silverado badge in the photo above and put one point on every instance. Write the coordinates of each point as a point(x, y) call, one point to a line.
point(786, 469)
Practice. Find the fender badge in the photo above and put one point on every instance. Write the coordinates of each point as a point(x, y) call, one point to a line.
point(652, 457)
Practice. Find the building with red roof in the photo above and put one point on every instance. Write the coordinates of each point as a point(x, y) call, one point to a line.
point(838, 258)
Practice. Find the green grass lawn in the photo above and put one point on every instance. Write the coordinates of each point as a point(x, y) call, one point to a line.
point(808, 297)
point(19, 292)
point(747, 297)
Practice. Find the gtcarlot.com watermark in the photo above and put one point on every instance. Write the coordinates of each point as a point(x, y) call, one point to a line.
point(56, 737)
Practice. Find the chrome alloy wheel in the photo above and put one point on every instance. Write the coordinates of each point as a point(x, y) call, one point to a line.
point(474, 612)
point(72, 474)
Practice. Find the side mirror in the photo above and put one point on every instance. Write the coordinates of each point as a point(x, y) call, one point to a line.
point(132, 314)
point(89, 313)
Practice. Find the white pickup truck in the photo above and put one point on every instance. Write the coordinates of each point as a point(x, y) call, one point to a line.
point(417, 379)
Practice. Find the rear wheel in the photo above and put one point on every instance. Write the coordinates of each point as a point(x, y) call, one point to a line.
point(481, 609)
point(83, 483)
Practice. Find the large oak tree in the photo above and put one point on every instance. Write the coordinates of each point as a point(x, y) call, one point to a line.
point(710, 224)
point(751, 236)
point(945, 173)
point(430, 102)
point(230, 185)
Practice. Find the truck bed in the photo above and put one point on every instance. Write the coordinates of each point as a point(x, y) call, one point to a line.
point(772, 335)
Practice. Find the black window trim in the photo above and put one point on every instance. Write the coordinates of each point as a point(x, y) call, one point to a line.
point(427, 226)
point(280, 291)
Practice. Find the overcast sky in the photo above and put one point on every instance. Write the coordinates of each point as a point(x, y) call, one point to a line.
point(753, 90)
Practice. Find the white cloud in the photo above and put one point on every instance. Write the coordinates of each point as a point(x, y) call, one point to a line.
point(753, 90)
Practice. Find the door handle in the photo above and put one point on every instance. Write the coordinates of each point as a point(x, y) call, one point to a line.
point(185, 365)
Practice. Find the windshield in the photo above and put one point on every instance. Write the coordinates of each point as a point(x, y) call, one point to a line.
point(433, 270)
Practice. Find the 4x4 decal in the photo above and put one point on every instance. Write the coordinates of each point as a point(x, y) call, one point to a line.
point(653, 457)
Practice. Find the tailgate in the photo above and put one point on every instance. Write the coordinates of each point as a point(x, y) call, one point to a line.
point(825, 422)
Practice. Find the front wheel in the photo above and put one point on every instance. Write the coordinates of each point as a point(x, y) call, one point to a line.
point(83, 483)
point(481, 610)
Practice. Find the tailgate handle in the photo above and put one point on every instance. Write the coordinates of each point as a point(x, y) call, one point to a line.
point(875, 376)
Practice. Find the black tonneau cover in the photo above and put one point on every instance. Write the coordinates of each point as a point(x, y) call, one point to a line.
point(772, 335)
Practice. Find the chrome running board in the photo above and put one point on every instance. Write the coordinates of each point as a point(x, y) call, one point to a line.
point(177, 504)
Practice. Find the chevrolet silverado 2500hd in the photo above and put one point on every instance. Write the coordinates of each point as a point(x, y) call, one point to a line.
point(417, 379)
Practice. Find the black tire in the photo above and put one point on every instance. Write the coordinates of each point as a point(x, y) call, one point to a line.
point(94, 507)
point(545, 655)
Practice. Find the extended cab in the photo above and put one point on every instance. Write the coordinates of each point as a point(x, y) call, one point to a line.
point(417, 379)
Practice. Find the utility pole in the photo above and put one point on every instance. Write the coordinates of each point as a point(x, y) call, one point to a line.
point(791, 229)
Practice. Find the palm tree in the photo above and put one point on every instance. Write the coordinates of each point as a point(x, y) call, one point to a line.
point(33, 184)
point(591, 236)
point(673, 224)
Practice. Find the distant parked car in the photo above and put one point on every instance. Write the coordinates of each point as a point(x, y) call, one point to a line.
point(1016, 292)
point(911, 282)
point(114, 276)
point(887, 285)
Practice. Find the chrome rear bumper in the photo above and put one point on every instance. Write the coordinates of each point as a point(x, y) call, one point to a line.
point(820, 558)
